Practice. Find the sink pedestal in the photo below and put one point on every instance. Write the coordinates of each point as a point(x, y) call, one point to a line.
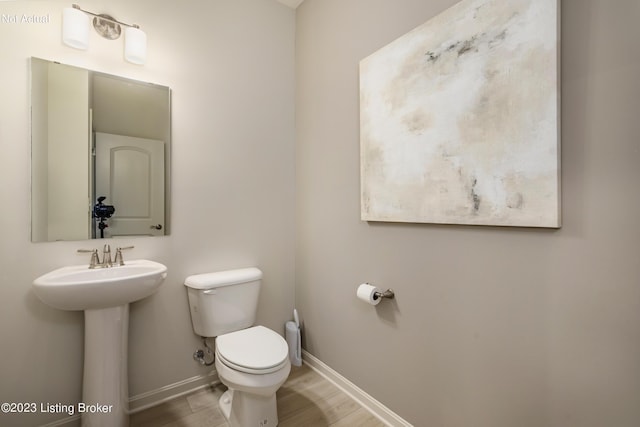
point(105, 388)
point(104, 295)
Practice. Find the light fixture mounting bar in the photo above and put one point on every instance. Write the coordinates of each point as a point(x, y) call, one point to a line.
point(104, 17)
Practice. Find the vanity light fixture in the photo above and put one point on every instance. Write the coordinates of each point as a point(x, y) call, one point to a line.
point(75, 32)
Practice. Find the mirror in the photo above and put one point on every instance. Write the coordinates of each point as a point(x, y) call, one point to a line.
point(100, 155)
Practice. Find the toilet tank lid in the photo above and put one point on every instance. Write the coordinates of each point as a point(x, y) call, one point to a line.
point(223, 278)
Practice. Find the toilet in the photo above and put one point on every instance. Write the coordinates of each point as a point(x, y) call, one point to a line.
point(252, 361)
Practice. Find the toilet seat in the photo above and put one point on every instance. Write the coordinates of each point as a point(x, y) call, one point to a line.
point(256, 350)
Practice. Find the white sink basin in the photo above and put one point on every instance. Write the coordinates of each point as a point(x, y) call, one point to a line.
point(104, 294)
point(80, 288)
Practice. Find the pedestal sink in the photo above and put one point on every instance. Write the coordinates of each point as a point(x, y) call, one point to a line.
point(104, 294)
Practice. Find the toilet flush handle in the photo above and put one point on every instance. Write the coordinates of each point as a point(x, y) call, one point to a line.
point(210, 292)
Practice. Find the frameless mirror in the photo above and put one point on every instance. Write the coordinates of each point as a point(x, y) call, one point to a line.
point(100, 159)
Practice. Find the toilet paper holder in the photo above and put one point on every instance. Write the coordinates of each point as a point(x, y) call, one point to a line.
point(386, 294)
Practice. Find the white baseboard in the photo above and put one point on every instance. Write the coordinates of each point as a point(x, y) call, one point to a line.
point(160, 395)
point(376, 408)
point(70, 421)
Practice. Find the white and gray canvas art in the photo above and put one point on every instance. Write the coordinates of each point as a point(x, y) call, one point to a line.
point(459, 119)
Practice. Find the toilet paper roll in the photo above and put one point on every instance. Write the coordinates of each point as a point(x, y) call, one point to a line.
point(367, 293)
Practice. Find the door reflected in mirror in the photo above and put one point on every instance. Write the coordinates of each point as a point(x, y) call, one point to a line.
point(100, 155)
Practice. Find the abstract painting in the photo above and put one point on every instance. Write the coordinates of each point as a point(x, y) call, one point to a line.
point(459, 119)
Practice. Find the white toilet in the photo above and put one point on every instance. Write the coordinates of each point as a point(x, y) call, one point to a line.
point(253, 361)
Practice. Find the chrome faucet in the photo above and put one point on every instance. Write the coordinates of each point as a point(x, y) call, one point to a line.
point(106, 257)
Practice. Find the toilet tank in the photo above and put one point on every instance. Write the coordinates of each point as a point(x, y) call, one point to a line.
point(223, 302)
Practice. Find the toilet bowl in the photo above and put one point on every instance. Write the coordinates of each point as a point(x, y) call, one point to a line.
point(253, 363)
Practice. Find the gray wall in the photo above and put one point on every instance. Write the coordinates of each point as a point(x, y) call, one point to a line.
point(494, 327)
point(230, 65)
point(491, 327)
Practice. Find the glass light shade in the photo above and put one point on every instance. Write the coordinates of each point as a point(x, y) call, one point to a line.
point(75, 28)
point(135, 45)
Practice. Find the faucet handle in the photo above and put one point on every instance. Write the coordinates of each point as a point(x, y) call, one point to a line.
point(119, 260)
point(95, 260)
